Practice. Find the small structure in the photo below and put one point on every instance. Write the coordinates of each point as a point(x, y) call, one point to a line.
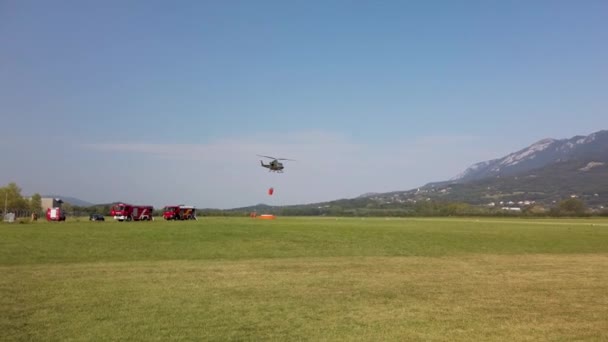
point(511, 208)
point(9, 217)
point(50, 202)
point(266, 217)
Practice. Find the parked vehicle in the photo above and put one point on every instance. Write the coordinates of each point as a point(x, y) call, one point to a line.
point(179, 212)
point(55, 214)
point(130, 212)
point(97, 217)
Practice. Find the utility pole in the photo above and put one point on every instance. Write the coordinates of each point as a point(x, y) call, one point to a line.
point(5, 201)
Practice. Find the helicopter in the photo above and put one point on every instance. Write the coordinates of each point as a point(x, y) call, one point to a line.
point(274, 165)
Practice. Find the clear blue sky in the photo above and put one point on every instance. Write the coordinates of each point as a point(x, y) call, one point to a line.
point(170, 101)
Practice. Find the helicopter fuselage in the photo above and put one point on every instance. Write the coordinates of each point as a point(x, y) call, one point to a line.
point(274, 165)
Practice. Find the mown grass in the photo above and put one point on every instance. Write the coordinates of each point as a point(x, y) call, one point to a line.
point(305, 279)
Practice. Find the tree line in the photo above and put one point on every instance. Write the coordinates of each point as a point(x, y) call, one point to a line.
point(571, 207)
point(12, 199)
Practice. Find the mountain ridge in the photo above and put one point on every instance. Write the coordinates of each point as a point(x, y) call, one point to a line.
point(545, 172)
point(593, 147)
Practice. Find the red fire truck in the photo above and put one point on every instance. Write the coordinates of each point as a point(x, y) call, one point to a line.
point(179, 212)
point(55, 214)
point(128, 212)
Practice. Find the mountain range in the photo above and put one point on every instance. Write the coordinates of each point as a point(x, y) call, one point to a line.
point(546, 152)
point(547, 171)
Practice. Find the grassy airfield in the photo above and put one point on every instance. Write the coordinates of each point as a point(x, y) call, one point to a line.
point(313, 279)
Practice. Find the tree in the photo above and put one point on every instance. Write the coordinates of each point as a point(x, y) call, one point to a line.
point(336, 210)
point(11, 196)
point(36, 203)
point(535, 209)
point(572, 207)
point(67, 208)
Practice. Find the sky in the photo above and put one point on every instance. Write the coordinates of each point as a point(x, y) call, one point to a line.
point(169, 102)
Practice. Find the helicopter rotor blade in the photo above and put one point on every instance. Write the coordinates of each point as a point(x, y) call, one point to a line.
point(269, 157)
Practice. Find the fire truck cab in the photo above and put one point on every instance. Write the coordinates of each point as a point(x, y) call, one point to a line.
point(128, 212)
point(179, 212)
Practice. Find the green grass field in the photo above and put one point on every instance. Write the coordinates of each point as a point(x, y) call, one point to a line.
point(312, 279)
